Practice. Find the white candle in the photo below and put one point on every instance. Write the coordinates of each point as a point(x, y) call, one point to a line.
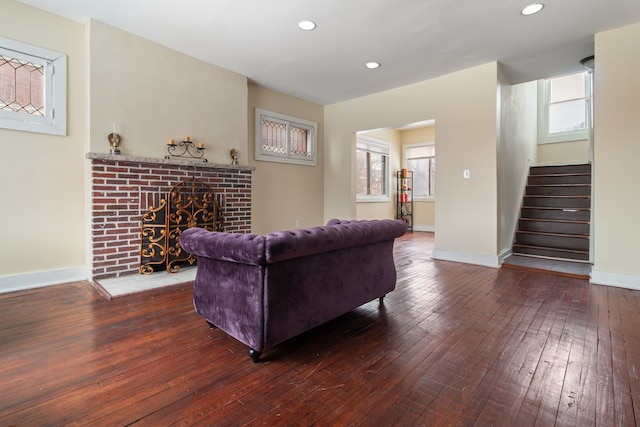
point(115, 131)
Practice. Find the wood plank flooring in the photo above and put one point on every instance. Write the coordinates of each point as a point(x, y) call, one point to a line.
point(454, 344)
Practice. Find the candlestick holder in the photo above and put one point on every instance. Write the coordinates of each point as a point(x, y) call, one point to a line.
point(185, 149)
point(114, 142)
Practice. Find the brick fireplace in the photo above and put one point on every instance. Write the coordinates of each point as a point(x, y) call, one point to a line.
point(119, 189)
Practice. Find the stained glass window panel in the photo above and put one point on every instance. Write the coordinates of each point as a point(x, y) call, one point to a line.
point(21, 86)
point(274, 137)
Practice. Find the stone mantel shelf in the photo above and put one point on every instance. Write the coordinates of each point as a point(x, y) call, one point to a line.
point(155, 161)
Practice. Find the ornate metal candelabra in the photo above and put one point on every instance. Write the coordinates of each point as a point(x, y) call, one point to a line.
point(185, 149)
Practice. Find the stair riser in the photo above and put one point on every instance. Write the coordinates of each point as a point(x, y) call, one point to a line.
point(556, 242)
point(559, 214)
point(548, 190)
point(554, 227)
point(558, 179)
point(551, 253)
point(565, 169)
point(557, 202)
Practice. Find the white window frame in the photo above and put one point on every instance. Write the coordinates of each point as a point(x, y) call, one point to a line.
point(544, 94)
point(289, 121)
point(418, 198)
point(377, 146)
point(54, 121)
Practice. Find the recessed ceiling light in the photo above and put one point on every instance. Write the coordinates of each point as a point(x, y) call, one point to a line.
point(307, 25)
point(532, 8)
point(372, 65)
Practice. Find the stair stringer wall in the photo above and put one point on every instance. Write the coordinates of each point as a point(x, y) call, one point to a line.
point(516, 153)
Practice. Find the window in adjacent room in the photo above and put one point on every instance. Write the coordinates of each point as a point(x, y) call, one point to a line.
point(421, 159)
point(286, 139)
point(565, 104)
point(372, 170)
point(33, 88)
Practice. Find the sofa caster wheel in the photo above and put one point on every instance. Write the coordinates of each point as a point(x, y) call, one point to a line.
point(254, 355)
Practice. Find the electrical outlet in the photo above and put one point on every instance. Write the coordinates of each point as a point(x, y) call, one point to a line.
point(466, 174)
point(297, 223)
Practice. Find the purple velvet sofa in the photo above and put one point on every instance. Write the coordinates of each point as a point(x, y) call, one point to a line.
point(263, 290)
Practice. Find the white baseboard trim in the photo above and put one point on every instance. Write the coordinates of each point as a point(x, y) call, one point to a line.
point(428, 228)
point(504, 255)
point(38, 279)
point(605, 278)
point(467, 258)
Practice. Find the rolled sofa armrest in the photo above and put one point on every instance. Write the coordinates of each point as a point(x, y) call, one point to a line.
point(232, 247)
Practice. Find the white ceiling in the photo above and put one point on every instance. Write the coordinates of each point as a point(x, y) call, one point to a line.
point(414, 40)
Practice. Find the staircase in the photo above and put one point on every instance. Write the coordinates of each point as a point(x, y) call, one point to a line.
point(556, 211)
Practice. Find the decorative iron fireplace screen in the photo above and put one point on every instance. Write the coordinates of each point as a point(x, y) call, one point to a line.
point(188, 204)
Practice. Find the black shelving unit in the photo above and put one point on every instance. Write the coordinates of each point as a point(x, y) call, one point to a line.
point(404, 197)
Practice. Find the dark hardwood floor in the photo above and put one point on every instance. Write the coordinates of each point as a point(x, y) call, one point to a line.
point(454, 344)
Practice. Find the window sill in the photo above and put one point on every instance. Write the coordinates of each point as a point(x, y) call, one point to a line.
point(373, 199)
point(424, 198)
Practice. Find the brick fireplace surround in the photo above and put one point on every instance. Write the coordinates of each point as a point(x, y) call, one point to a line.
point(118, 188)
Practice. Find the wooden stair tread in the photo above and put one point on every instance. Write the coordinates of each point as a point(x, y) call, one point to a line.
point(557, 208)
point(550, 258)
point(559, 197)
point(559, 221)
point(542, 233)
point(584, 168)
point(560, 208)
point(559, 185)
point(562, 174)
point(575, 251)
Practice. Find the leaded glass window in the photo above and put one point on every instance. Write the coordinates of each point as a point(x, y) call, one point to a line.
point(21, 86)
point(33, 88)
point(281, 138)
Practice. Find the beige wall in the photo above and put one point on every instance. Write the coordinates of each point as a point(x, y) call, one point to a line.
point(562, 153)
point(155, 93)
point(419, 135)
point(285, 194)
point(377, 210)
point(517, 145)
point(42, 220)
point(616, 153)
point(463, 105)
